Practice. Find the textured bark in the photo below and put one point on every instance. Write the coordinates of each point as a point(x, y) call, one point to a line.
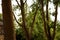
point(7, 20)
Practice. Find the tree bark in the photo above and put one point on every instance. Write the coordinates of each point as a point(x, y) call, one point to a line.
point(47, 21)
point(7, 20)
point(24, 22)
point(43, 17)
point(54, 27)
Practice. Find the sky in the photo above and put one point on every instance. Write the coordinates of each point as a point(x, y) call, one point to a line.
point(29, 2)
point(52, 10)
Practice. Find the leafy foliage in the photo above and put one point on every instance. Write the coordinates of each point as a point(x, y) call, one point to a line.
point(38, 30)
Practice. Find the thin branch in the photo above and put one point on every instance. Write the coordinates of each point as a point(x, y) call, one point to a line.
point(43, 17)
point(54, 27)
point(35, 13)
point(25, 1)
point(47, 22)
point(18, 4)
point(16, 20)
point(24, 26)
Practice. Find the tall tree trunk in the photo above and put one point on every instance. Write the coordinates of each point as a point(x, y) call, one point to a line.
point(7, 20)
point(47, 21)
point(54, 27)
point(43, 16)
point(24, 22)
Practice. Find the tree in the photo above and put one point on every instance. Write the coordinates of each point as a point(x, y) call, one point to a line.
point(46, 20)
point(56, 12)
point(7, 20)
point(24, 26)
point(45, 16)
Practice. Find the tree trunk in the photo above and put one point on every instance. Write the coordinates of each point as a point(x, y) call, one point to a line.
point(54, 27)
point(7, 20)
point(43, 17)
point(24, 22)
point(47, 21)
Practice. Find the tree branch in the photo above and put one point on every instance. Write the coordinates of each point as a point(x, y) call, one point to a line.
point(24, 21)
point(35, 13)
point(47, 21)
point(25, 1)
point(18, 4)
point(54, 27)
point(43, 17)
point(16, 20)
